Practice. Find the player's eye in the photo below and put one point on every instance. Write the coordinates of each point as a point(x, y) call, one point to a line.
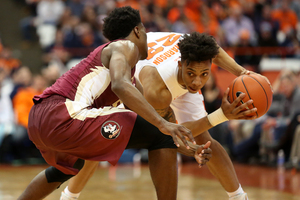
point(205, 74)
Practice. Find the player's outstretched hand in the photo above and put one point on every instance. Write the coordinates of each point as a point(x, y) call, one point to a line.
point(233, 111)
point(247, 72)
point(180, 131)
point(203, 154)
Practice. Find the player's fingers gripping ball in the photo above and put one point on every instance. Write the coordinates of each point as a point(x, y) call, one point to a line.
point(256, 88)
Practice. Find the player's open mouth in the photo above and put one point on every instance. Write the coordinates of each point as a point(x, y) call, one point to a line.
point(194, 90)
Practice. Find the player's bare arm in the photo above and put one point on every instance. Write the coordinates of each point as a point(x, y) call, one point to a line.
point(123, 57)
point(224, 61)
point(157, 93)
point(139, 86)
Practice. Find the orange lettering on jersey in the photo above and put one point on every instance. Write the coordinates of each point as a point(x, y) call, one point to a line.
point(151, 51)
point(164, 56)
point(156, 62)
point(170, 39)
point(175, 48)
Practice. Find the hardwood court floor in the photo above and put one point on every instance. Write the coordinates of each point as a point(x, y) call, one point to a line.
point(133, 183)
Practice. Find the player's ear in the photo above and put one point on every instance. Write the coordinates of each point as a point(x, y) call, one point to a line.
point(136, 31)
point(179, 64)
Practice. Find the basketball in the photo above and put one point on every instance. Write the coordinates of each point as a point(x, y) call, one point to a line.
point(256, 88)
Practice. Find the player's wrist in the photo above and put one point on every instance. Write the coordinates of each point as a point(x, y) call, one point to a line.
point(217, 117)
point(244, 72)
point(161, 124)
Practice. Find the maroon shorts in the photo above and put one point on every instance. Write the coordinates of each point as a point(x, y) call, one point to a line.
point(62, 139)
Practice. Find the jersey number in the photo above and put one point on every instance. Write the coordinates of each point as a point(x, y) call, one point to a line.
point(169, 40)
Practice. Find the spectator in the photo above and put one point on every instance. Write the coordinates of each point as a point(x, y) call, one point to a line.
point(81, 39)
point(51, 73)
point(6, 114)
point(89, 16)
point(48, 15)
point(76, 7)
point(49, 11)
point(182, 11)
point(7, 60)
point(235, 23)
point(147, 18)
point(22, 147)
point(182, 25)
point(267, 40)
point(21, 78)
point(285, 16)
point(286, 141)
point(295, 6)
point(207, 22)
point(57, 52)
point(246, 54)
point(266, 17)
point(219, 11)
point(22, 101)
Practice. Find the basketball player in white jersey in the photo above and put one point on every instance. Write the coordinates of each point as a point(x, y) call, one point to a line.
point(176, 68)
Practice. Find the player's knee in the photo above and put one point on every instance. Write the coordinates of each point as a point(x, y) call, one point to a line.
point(54, 175)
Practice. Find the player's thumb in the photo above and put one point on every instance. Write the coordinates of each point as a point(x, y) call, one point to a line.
point(207, 145)
point(201, 147)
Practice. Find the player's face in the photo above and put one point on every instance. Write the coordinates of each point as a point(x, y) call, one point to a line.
point(193, 76)
point(143, 39)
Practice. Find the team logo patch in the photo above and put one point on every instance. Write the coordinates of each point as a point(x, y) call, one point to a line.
point(110, 130)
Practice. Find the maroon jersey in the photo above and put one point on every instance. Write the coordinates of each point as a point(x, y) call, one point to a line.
point(88, 82)
point(76, 117)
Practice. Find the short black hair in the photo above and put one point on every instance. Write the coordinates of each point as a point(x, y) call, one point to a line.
point(120, 22)
point(197, 47)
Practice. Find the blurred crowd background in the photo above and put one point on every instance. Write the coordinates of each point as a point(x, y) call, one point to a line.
point(249, 30)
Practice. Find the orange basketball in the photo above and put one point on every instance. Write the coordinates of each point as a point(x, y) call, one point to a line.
point(256, 88)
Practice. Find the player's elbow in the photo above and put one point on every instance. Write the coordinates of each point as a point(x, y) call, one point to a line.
point(117, 87)
point(120, 86)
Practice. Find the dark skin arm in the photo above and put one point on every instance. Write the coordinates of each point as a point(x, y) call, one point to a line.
point(120, 57)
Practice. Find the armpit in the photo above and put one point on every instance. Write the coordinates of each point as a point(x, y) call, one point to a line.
point(167, 114)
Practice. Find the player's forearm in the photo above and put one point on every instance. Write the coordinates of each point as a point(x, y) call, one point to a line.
point(224, 61)
point(132, 98)
point(199, 126)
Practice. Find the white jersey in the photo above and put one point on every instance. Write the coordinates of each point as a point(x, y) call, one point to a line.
point(163, 53)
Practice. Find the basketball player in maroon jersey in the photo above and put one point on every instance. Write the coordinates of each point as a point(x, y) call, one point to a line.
point(76, 121)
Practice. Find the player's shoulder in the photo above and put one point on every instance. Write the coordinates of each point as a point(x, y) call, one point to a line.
point(123, 46)
point(152, 74)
